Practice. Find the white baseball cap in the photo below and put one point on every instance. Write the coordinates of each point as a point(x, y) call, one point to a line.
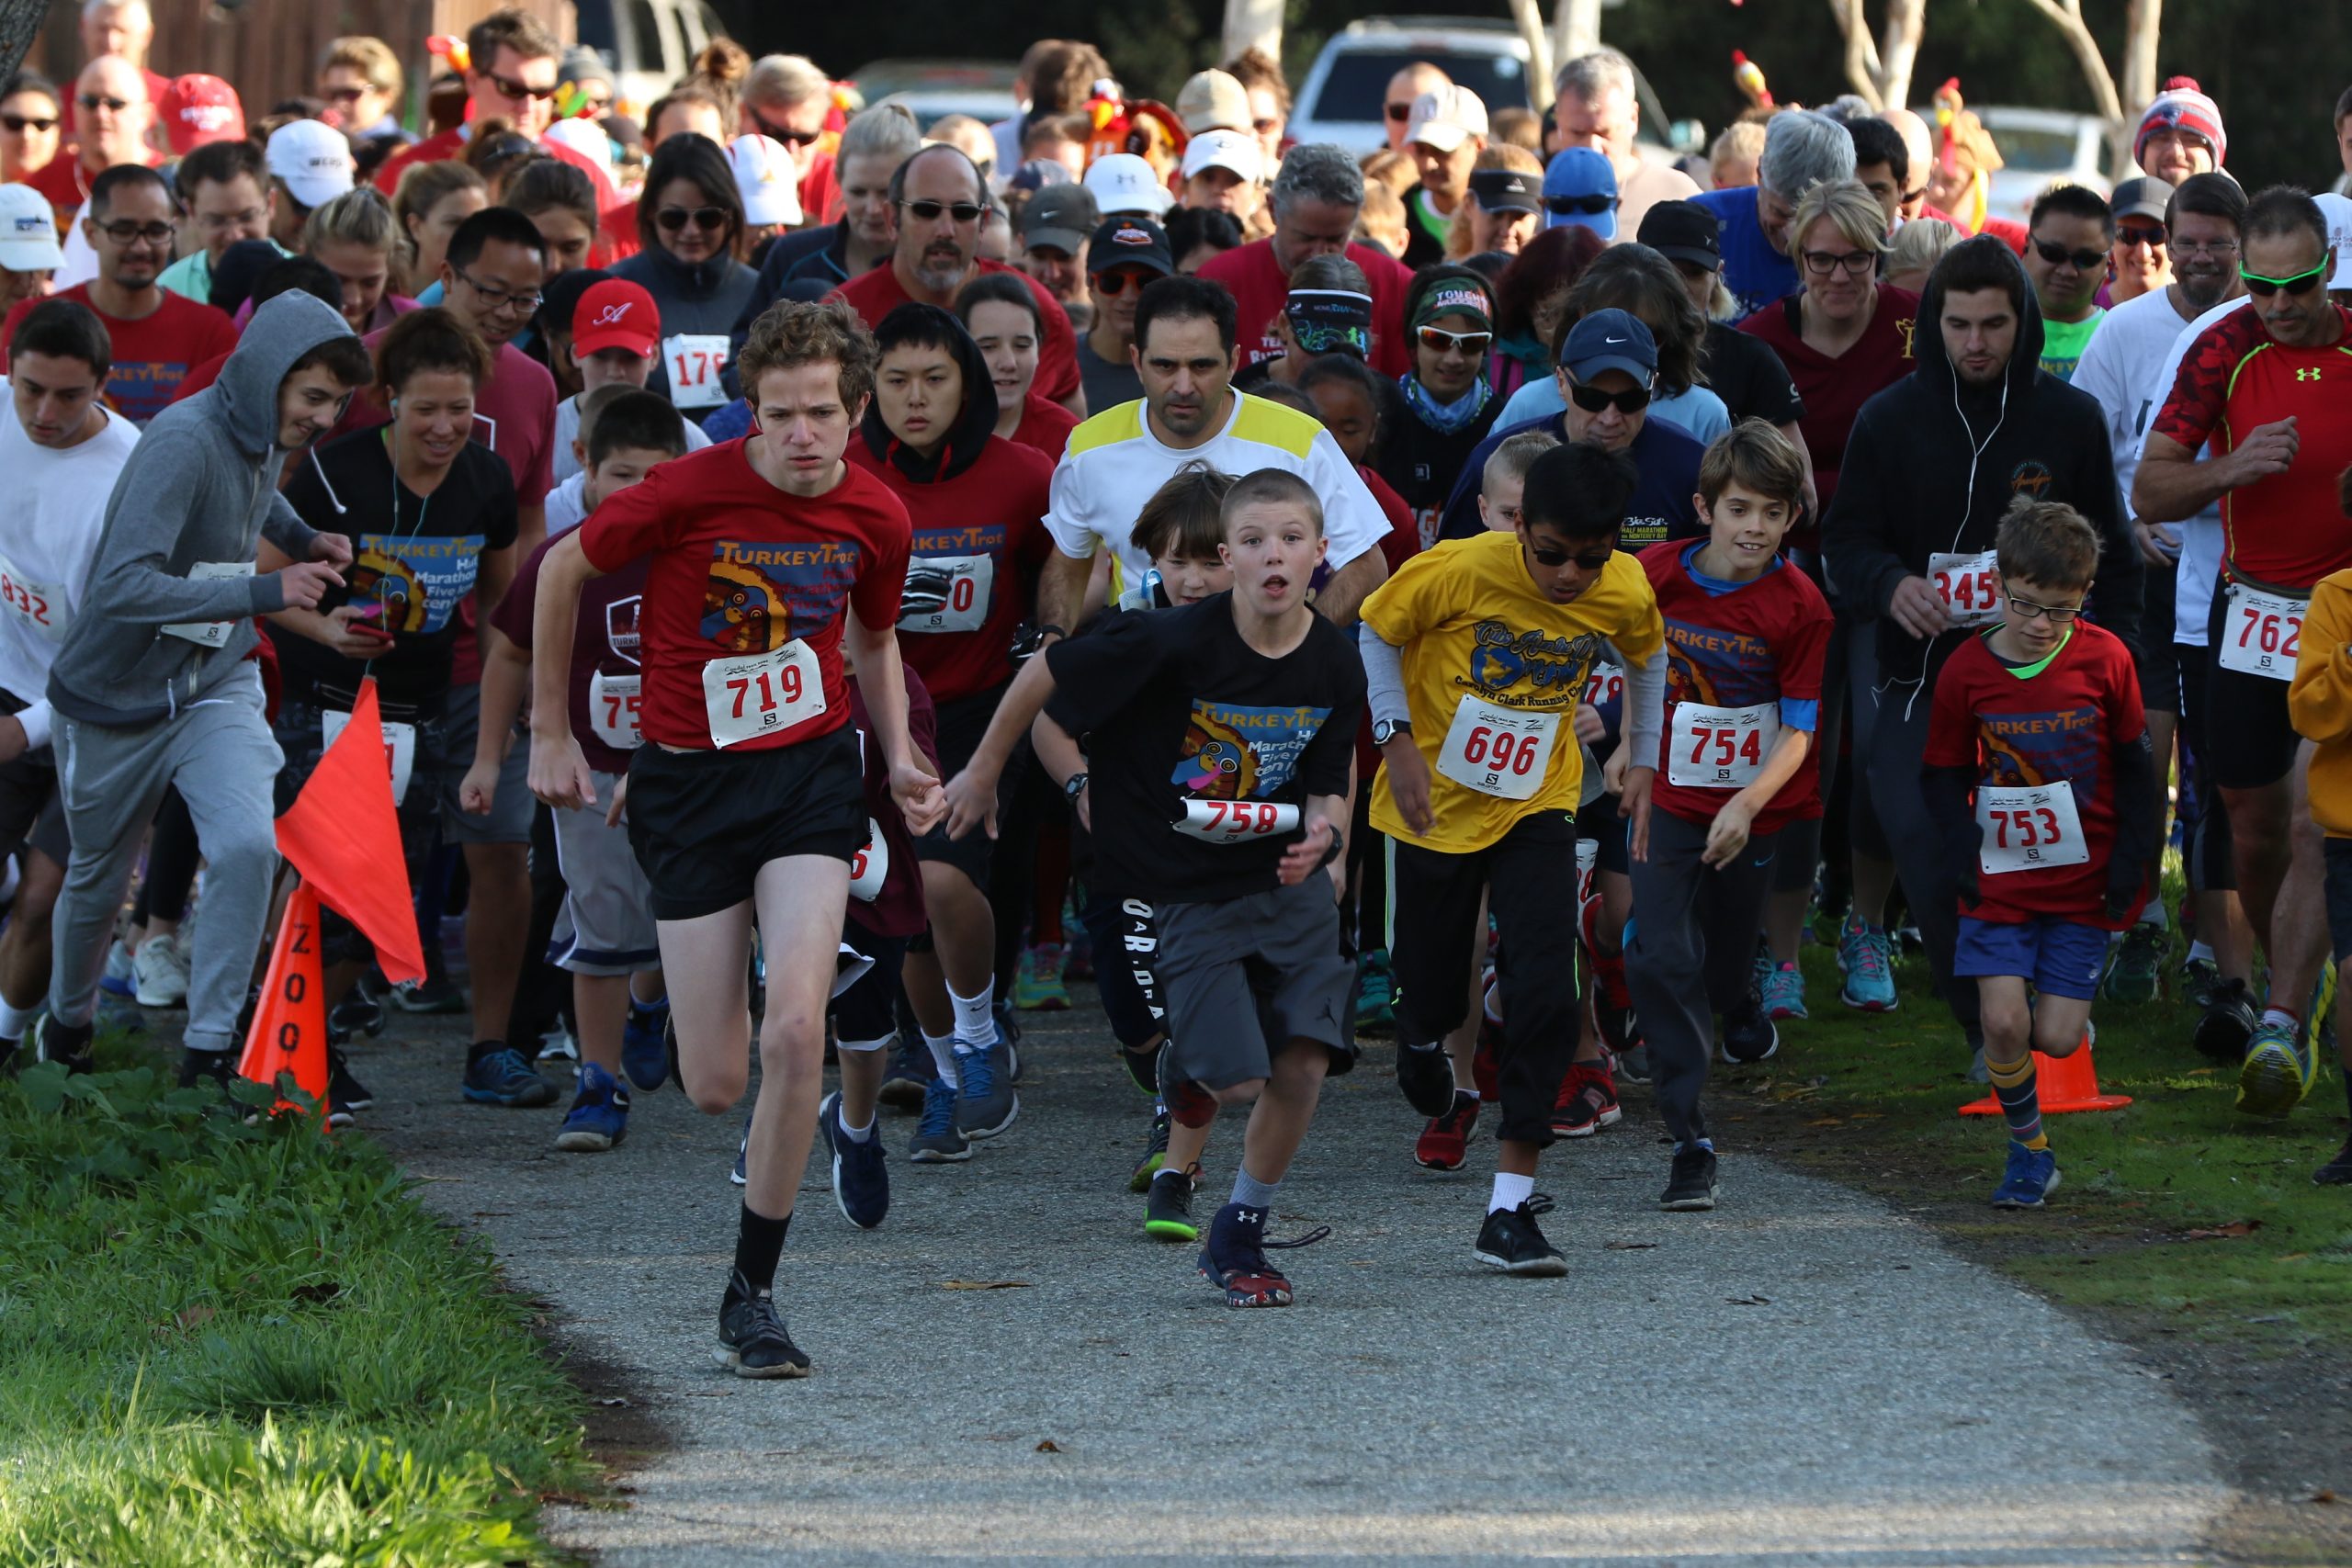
point(1444, 117)
point(28, 230)
point(767, 179)
point(584, 137)
point(1237, 151)
point(2338, 209)
point(1122, 181)
point(312, 157)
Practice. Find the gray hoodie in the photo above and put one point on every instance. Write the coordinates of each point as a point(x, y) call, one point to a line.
point(168, 614)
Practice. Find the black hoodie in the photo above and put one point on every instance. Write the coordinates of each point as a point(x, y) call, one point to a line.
point(1932, 465)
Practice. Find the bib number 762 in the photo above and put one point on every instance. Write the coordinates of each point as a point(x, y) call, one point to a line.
point(2262, 633)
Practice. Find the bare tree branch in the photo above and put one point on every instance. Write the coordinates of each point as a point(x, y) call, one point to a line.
point(1905, 21)
point(1861, 53)
point(2067, 17)
point(21, 24)
point(1529, 16)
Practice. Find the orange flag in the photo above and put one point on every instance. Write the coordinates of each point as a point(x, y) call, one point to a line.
point(289, 1032)
point(343, 835)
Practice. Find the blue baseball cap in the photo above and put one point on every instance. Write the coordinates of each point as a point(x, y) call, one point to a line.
point(1581, 188)
point(1610, 340)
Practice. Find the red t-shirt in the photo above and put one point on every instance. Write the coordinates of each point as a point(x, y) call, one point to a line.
point(1759, 643)
point(617, 238)
point(2287, 530)
point(983, 531)
point(2062, 723)
point(451, 143)
point(152, 354)
point(1259, 287)
point(1045, 425)
point(65, 184)
point(896, 908)
point(875, 293)
point(821, 191)
point(739, 568)
point(1835, 389)
point(604, 644)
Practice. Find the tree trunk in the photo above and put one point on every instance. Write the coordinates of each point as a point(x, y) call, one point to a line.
point(2141, 27)
point(2067, 14)
point(1899, 52)
point(1576, 30)
point(1529, 18)
point(1253, 24)
point(21, 24)
point(1861, 53)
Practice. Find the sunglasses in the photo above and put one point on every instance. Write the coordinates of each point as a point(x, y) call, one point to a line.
point(2059, 255)
point(1558, 559)
point(1563, 206)
point(928, 211)
point(790, 138)
point(1441, 340)
point(1592, 400)
point(1400, 112)
point(2151, 235)
point(2301, 283)
point(344, 95)
point(126, 231)
point(515, 89)
point(1111, 285)
point(20, 123)
point(669, 220)
point(97, 101)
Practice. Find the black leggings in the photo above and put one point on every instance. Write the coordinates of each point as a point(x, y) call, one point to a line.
point(171, 857)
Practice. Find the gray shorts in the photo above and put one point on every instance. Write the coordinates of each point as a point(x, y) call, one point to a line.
point(607, 923)
point(1244, 976)
point(509, 821)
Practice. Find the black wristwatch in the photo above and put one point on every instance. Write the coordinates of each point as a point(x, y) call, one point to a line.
point(1074, 786)
point(1385, 729)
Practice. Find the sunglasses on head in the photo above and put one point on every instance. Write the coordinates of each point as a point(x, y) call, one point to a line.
point(20, 123)
point(1543, 555)
point(1563, 206)
point(2301, 283)
point(97, 101)
point(1400, 112)
point(2059, 255)
point(1468, 343)
point(1592, 400)
point(515, 89)
point(672, 219)
point(928, 211)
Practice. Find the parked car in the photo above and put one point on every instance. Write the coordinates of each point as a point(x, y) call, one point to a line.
point(934, 89)
point(650, 43)
point(2040, 148)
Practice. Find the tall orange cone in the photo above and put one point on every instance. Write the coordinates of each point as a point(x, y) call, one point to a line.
point(289, 1032)
point(2062, 1083)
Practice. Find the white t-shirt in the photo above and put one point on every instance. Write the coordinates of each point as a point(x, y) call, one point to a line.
point(1114, 464)
point(48, 535)
point(2199, 571)
point(567, 431)
point(567, 504)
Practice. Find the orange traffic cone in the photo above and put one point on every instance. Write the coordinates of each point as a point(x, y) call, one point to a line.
point(2062, 1083)
point(289, 1032)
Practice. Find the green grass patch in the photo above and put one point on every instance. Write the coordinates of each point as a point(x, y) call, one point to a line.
point(223, 1344)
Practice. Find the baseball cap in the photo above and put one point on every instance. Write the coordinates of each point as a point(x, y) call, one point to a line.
point(1037, 173)
point(1213, 100)
point(1610, 340)
point(2337, 209)
point(1581, 188)
point(616, 313)
point(1122, 181)
point(1454, 297)
point(1059, 217)
point(1444, 117)
point(1129, 240)
point(2144, 196)
point(1506, 190)
point(28, 230)
point(1683, 231)
point(767, 178)
point(197, 110)
point(312, 157)
point(1235, 152)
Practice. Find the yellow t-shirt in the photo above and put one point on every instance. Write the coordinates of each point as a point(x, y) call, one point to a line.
point(1486, 657)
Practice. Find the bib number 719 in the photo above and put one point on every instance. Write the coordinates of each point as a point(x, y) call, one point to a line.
point(761, 692)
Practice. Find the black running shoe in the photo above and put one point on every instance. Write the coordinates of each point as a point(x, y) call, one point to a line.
point(1691, 1183)
point(2228, 1022)
point(206, 1067)
point(1143, 1068)
point(1512, 1241)
point(67, 1045)
point(1234, 1262)
point(344, 1087)
point(1426, 1074)
point(357, 1014)
point(2336, 1172)
point(1167, 1208)
point(1750, 1034)
point(1154, 1153)
point(752, 1341)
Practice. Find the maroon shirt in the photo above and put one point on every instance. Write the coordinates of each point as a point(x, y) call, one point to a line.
point(897, 909)
point(1835, 389)
point(604, 648)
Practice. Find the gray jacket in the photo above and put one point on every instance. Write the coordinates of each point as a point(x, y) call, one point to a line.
point(169, 611)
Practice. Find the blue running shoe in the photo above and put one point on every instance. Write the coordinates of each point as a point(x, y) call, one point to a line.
point(861, 1186)
point(937, 1139)
point(1783, 992)
point(1865, 957)
point(599, 1116)
point(645, 1045)
point(2277, 1072)
point(2031, 1177)
point(502, 1078)
point(908, 1074)
point(986, 1103)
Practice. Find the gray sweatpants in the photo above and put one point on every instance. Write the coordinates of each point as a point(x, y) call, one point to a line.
point(1690, 955)
point(220, 755)
point(1890, 749)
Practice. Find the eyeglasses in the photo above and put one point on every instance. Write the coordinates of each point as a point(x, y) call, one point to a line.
point(1592, 400)
point(2151, 235)
point(526, 300)
point(784, 134)
point(1400, 112)
point(1908, 197)
point(515, 89)
point(1563, 206)
point(344, 94)
point(669, 220)
point(2214, 248)
point(1265, 127)
point(97, 101)
point(2059, 255)
point(127, 232)
point(1853, 264)
point(19, 124)
point(1558, 559)
point(1441, 340)
point(928, 211)
point(1111, 285)
point(2026, 610)
point(218, 223)
point(2301, 283)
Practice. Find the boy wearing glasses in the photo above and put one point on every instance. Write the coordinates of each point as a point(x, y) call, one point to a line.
point(2039, 717)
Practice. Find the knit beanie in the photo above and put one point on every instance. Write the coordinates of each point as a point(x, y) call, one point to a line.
point(2183, 106)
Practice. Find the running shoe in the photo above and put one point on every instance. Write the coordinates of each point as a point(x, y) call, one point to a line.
point(1037, 980)
point(118, 979)
point(936, 1141)
point(437, 993)
point(1424, 1072)
point(67, 1045)
point(1155, 1154)
point(215, 1067)
point(1864, 958)
point(2138, 960)
point(1235, 1260)
point(1750, 1035)
point(909, 1075)
point(861, 1184)
point(502, 1078)
point(1167, 1208)
point(2336, 1172)
point(1690, 1184)
point(2199, 979)
point(740, 1174)
point(1632, 1064)
point(2227, 1028)
point(752, 1341)
point(598, 1119)
point(159, 973)
point(1444, 1143)
point(2277, 1072)
point(1142, 1068)
point(645, 1045)
point(556, 1043)
point(2030, 1176)
point(986, 1103)
point(342, 1084)
point(1512, 1241)
point(1588, 1102)
point(1375, 990)
point(357, 1014)
point(2319, 1017)
point(1783, 992)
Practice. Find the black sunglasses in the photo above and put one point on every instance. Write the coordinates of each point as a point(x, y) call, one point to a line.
point(1558, 559)
point(790, 138)
point(672, 219)
point(1399, 112)
point(1592, 400)
point(515, 89)
point(2059, 255)
point(97, 101)
point(1562, 205)
point(928, 211)
point(20, 123)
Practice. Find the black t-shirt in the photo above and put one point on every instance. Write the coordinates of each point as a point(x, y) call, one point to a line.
point(1743, 371)
point(416, 556)
point(1201, 750)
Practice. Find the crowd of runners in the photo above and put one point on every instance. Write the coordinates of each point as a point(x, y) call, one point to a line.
point(829, 580)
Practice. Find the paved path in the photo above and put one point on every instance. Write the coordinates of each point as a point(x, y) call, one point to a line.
point(1800, 1376)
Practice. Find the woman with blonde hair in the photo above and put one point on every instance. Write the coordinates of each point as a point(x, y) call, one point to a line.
point(1499, 214)
point(1918, 246)
point(354, 237)
point(431, 201)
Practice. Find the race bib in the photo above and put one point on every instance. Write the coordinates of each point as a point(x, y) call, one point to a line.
point(1720, 747)
point(612, 709)
point(946, 594)
point(758, 693)
point(2028, 826)
point(694, 361)
point(36, 606)
point(871, 866)
point(1499, 751)
point(1237, 821)
point(2262, 632)
point(1968, 586)
point(209, 634)
point(399, 747)
point(1606, 685)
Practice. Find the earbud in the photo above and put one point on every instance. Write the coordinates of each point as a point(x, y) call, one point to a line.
point(396, 405)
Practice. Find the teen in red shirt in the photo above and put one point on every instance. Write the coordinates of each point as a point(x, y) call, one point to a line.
point(1258, 280)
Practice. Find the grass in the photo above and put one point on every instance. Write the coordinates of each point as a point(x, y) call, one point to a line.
point(227, 1344)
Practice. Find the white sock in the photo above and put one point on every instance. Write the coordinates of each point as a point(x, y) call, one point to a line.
point(857, 1135)
point(942, 1055)
point(1466, 1090)
point(2154, 915)
point(1510, 1192)
point(975, 1016)
point(2200, 952)
point(14, 1021)
point(2281, 1016)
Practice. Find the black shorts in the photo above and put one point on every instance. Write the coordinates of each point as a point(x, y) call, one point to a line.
point(2249, 740)
point(868, 1012)
point(1600, 823)
point(32, 813)
point(962, 723)
point(2339, 887)
point(2160, 674)
point(702, 823)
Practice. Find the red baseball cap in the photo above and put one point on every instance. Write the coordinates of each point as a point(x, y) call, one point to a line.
point(616, 313)
point(199, 109)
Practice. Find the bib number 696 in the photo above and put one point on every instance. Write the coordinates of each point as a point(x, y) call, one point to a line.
point(1500, 750)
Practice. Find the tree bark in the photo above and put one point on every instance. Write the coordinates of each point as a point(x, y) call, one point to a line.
point(1253, 24)
point(1899, 54)
point(1861, 53)
point(1529, 16)
point(1575, 28)
point(2067, 16)
point(21, 24)
point(2142, 25)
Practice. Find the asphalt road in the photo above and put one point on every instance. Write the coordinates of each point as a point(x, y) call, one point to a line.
point(1799, 1377)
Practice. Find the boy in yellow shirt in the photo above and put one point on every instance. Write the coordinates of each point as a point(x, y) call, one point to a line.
point(2320, 703)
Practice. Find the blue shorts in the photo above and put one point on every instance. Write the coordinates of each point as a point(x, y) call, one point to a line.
point(2060, 957)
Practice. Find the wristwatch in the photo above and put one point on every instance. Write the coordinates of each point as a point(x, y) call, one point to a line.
point(1385, 729)
point(1074, 786)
